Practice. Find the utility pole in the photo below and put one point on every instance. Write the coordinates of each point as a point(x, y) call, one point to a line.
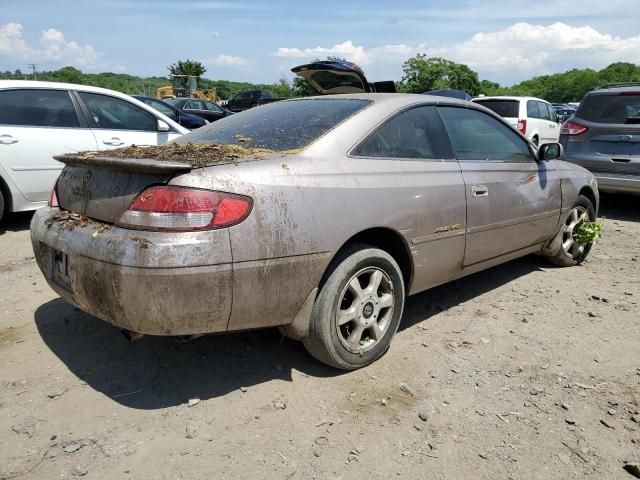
point(34, 67)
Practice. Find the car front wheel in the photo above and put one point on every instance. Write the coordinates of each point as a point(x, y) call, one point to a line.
point(358, 309)
point(2, 206)
point(571, 251)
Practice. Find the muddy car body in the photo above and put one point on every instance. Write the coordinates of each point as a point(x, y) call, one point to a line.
point(336, 230)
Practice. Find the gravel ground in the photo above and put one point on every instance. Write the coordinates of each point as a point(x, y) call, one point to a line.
point(524, 371)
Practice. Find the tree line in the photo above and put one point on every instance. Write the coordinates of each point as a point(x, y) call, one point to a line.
point(419, 74)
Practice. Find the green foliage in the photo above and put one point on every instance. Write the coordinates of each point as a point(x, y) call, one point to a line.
point(572, 85)
point(282, 88)
point(587, 232)
point(187, 67)
point(421, 74)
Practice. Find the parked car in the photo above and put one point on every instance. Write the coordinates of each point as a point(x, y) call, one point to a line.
point(564, 113)
point(533, 117)
point(183, 118)
point(41, 119)
point(338, 76)
point(364, 199)
point(250, 99)
point(604, 136)
point(210, 111)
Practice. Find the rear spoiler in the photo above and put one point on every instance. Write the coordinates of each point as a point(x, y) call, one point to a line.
point(137, 165)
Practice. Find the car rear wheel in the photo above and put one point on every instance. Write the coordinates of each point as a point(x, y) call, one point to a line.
point(535, 141)
point(572, 252)
point(358, 309)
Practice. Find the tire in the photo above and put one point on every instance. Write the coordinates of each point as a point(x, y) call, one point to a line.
point(575, 254)
point(535, 141)
point(2, 205)
point(374, 311)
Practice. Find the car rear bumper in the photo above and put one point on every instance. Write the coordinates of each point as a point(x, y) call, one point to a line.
point(146, 282)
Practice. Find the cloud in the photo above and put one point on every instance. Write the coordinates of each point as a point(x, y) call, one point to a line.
point(52, 35)
point(227, 60)
point(346, 50)
point(53, 47)
point(536, 49)
point(516, 52)
point(11, 39)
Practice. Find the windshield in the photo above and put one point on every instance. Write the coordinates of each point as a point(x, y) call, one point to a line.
point(504, 108)
point(279, 126)
point(611, 108)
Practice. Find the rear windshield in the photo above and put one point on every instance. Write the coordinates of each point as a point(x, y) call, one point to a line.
point(504, 108)
point(614, 108)
point(279, 126)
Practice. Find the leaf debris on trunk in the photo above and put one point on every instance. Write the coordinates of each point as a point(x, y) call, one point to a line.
point(195, 154)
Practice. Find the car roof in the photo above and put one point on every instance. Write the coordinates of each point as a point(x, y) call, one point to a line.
point(616, 88)
point(59, 86)
point(397, 99)
point(509, 97)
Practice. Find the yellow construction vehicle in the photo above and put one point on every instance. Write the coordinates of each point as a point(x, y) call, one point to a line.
point(186, 86)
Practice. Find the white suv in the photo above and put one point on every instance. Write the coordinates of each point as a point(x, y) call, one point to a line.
point(536, 119)
point(41, 119)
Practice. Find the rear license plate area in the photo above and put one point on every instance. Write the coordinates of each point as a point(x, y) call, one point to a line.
point(60, 269)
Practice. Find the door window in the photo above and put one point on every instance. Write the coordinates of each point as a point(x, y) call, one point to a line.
point(553, 115)
point(113, 113)
point(477, 136)
point(212, 107)
point(544, 111)
point(415, 133)
point(38, 108)
point(532, 109)
point(194, 105)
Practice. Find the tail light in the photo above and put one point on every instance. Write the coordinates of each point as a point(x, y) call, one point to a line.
point(180, 209)
point(53, 198)
point(522, 126)
point(572, 128)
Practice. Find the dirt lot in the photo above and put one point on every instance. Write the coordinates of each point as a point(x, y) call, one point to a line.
point(523, 371)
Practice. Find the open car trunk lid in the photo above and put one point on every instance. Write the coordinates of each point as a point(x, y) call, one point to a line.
point(331, 77)
point(102, 188)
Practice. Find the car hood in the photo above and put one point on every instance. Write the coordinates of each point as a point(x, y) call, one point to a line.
point(329, 77)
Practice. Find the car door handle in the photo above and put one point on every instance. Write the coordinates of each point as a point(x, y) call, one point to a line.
point(7, 139)
point(479, 191)
point(115, 141)
point(621, 160)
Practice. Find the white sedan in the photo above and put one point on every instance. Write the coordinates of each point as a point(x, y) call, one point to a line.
point(41, 119)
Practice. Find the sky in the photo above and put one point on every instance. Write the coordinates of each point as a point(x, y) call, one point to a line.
point(505, 41)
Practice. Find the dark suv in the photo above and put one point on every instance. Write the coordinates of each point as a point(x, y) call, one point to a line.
point(250, 99)
point(604, 136)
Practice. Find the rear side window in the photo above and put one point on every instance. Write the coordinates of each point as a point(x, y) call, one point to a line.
point(115, 114)
point(611, 108)
point(38, 108)
point(416, 133)
point(278, 126)
point(477, 136)
point(504, 108)
point(533, 110)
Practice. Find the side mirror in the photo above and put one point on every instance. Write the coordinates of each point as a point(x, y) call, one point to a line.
point(163, 127)
point(550, 151)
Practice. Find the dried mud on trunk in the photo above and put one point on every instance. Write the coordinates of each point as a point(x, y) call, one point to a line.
point(68, 220)
point(195, 154)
